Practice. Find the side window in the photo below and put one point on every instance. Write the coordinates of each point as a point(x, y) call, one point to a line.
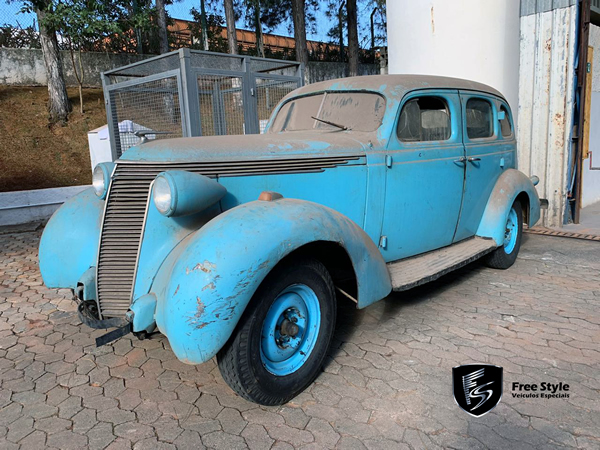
point(505, 127)
point(480, 122)
point(425, 119)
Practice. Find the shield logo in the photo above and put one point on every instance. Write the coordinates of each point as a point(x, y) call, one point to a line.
point(477, 387)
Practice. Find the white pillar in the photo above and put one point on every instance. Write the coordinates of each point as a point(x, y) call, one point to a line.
point(473, 39)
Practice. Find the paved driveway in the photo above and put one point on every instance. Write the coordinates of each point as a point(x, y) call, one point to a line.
point(386, 385)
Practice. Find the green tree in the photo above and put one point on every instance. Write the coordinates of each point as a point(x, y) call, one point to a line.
point(214, 41)
point(79, 23)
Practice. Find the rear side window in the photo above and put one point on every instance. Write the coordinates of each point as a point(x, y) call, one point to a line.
point(425, 119)
point(480, 123)
point(505, 127)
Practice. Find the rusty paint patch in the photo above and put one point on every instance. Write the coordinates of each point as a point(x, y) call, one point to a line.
point(205, 267)
point(201, 307)
point(195, 320)
point(209, 286)
point(177, 290)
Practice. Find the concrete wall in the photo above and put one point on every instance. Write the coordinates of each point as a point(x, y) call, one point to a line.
point(321, 71)
point(25, 67)
point(19, 66)
point(591, 167)
point(31, 206)
point(472, 39)
point(546, 104)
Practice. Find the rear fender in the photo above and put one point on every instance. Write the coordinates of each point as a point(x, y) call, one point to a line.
point(205, 284)
point(510, 185)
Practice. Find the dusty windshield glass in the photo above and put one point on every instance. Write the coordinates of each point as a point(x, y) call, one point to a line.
point(359, 111)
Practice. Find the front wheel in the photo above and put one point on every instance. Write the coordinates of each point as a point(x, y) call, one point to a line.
point(280, 344)
point(505, 255)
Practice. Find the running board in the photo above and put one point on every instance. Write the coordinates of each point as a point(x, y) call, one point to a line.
point(421, 269)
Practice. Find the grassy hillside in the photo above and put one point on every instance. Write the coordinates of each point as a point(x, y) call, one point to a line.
point(34, 155)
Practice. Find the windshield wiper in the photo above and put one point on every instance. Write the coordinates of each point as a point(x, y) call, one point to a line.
point(341, 127)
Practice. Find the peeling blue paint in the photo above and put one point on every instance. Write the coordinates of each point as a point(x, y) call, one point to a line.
point(143, 309)
point(69, 244)
point(238, 249)
point(508, 187)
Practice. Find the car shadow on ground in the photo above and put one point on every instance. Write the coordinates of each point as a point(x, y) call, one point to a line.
point(350, 319)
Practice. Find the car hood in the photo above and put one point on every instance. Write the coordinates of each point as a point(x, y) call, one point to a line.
point(249, 147)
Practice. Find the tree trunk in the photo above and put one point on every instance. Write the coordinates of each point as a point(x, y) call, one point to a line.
point(341, 29)
point(79, 74)
point(58, 104)
point(163, 37)
point(299, 18)
point(352, 38)
point(138, 33)
point(260, 47)
point(203, 26)
point(231, 31)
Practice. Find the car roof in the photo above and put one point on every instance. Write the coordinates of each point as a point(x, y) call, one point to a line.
point(396, 86)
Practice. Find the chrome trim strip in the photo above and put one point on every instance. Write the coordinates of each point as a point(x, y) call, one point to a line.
point(243, 161)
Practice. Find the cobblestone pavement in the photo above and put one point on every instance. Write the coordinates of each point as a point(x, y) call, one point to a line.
point(387, 383)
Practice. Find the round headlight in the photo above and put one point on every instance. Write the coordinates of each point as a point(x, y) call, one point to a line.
point(163, 196)
point(101, 178)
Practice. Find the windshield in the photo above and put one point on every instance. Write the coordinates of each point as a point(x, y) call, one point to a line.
point(359, 111)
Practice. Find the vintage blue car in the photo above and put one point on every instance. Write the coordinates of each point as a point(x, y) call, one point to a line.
point(240, 246)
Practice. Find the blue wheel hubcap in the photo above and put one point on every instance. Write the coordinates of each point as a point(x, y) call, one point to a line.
point(511, 232)
point(290, 330)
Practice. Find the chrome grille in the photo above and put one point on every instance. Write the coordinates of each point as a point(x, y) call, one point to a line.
point(126, 208)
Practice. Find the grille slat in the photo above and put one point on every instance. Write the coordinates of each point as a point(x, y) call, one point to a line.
point(126, 208)
point(120, 241)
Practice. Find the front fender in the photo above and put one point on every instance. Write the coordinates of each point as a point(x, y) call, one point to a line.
point(69, 244)
point(207, 281)
point(509, 186)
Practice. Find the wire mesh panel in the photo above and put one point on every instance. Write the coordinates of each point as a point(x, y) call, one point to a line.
point(221, 104)
point(273, 67)
point(269, 93)
point(146, 68)
point(206, 60)
point(145, 106)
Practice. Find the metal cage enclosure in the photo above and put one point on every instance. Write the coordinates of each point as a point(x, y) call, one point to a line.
point(194, 93)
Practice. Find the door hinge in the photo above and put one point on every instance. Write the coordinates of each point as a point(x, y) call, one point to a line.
point(388, 160)
point(383, 242)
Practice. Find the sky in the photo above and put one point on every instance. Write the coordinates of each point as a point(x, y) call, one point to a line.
point(9, 14)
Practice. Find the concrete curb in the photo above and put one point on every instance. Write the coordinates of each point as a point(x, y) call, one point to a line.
point(21, 207)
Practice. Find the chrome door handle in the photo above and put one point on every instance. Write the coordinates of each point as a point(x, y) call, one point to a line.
point(473, 159)
point(462, 159)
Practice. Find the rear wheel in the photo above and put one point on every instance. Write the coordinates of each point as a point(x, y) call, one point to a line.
point(505, 255)
point(280, 344)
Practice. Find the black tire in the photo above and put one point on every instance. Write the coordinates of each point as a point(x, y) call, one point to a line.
point(499, 258)
point(240, 360)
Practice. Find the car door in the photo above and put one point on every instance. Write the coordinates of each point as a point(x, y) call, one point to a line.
point(424, 176)
point(489, 150)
